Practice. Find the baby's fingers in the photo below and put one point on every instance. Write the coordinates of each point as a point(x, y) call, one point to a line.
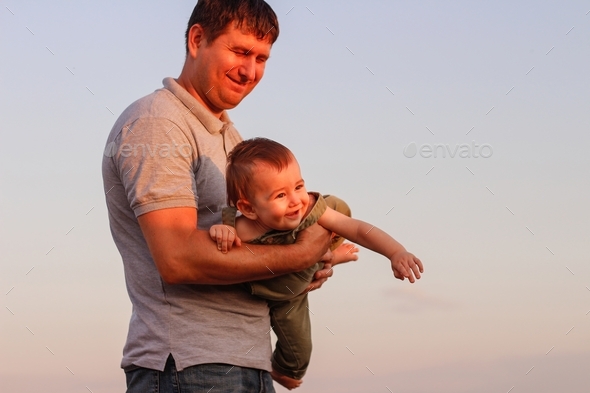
point(413, 267)
point(419, 264)
point(416, 267)
point(219, 240)
point(232, 238)
point(225, 242)
point(398, 275)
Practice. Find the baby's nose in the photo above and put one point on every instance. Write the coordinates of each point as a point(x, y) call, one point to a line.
point(295, 200)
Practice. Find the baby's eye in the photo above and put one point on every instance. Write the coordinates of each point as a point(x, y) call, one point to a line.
point(281, 195)
point(299, 187)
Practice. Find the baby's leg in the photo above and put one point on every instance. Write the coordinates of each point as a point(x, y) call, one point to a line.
point(346, 252)
point(343, 252)
point(291, 323)
point(284, 287)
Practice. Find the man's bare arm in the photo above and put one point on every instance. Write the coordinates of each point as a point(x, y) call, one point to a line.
point(185, 255)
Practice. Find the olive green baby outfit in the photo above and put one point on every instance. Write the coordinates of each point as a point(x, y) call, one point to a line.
point(289, 310)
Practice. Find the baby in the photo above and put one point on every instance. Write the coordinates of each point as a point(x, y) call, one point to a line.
point(264, 183)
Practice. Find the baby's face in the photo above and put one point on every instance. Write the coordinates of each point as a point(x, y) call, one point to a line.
point(280, 199)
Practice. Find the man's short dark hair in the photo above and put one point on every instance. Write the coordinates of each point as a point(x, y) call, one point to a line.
point(251, 16)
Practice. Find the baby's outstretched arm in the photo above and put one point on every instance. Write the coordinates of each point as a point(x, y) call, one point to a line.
point(225, 237)
point(403, 263)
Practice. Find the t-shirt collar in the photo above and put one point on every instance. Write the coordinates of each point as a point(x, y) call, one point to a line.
point(209, 121)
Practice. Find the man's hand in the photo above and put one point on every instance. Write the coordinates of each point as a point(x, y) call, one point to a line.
point(346, 252)
point(321, 276)
point(316, 240)
point(225, 237)
point(320, 239)
point(406, 265)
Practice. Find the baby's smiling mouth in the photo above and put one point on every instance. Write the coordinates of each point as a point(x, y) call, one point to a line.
point(293, 213)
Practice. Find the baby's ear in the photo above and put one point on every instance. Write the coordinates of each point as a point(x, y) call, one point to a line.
point(246, 209)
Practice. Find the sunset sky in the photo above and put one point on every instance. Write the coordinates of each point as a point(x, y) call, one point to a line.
point(461, 128)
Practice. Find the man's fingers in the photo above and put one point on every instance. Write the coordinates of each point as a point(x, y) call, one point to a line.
point(320, 277)
point(317, 236)
point(326, 272)
point(315, 284)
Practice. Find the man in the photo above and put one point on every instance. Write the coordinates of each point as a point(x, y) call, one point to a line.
point(163, 172)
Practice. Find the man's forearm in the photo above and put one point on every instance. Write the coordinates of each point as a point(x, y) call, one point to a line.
point(198, 261)
point(184, 254)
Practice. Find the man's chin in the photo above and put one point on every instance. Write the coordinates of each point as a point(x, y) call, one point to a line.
point(232, 101)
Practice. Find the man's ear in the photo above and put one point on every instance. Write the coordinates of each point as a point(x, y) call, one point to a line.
point(196, 38)
point(246, 209)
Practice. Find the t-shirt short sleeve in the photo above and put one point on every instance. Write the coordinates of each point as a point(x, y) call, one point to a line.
point(156, 165)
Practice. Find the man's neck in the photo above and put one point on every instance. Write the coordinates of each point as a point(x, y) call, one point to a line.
point(183, 81)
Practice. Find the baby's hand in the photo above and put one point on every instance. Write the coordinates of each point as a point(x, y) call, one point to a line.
point(406, 265)
point(225, 236)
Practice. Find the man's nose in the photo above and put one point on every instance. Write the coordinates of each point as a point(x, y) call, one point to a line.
point(247, 70)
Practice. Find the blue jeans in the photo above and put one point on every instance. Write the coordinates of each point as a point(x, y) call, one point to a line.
point(205, 378)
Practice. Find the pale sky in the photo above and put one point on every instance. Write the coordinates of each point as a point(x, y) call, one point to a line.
point(364, 94)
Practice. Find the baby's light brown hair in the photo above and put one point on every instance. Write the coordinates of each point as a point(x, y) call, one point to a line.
point(241, 163)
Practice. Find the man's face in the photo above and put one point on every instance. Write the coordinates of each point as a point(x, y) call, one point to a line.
point(227, 69)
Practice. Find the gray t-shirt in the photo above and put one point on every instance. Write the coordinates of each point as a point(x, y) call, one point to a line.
point(166, 150)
